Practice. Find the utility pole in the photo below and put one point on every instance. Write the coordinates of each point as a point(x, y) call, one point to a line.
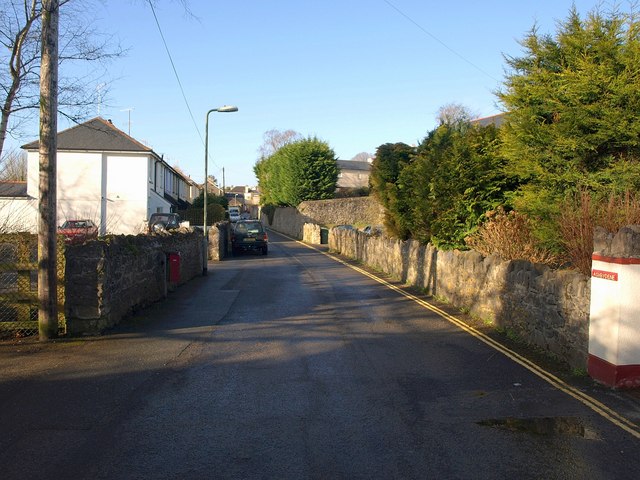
point(47, 238)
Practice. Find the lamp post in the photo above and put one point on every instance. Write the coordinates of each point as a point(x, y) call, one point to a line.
point(223, 109)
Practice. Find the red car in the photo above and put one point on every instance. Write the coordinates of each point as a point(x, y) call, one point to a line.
point(78, 231)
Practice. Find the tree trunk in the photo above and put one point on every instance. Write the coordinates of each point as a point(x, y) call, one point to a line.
point(47, 240)
point(6, 112)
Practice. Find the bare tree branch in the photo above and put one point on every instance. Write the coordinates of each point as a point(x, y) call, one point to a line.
point(13, 167)
point(82, 47)
point(275, 139)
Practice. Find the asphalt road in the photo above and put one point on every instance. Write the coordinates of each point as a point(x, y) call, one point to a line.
point(294, 366)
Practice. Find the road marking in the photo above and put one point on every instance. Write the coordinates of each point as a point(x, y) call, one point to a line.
point(595, 405)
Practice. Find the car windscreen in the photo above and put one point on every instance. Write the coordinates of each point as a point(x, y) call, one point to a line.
point(254, 227)
point(244, 227)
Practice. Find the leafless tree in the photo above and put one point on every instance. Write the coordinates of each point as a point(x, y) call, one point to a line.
point(17, 215)
point(80, 44)
point(13, 167)
point(454, 114)
point(362, 157)
point(275, 139)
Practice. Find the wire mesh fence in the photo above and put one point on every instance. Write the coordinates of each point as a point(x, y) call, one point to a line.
point(19, 285)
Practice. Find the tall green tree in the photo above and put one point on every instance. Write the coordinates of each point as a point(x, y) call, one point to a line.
point(305, 169)
point(456, 177)
point(221, 200)
point(389, 161)
point(574, 102)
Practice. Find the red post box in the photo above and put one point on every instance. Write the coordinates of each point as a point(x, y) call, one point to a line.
point(174, 267)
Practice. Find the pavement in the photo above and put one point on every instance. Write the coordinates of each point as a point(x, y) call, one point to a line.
point(150, 340)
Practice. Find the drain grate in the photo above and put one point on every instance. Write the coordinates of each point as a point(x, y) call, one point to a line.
point(549, 426)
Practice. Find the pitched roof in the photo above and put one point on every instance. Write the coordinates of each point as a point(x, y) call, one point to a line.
point(496, 120)
point(13, 189)
point(353, 165)
point(97, 134)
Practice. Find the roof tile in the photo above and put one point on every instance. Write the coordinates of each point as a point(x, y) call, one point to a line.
point(97, 134)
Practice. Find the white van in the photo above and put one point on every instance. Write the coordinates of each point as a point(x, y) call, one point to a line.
point(234, 214)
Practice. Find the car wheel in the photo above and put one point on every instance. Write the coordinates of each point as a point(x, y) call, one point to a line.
point(159, 227)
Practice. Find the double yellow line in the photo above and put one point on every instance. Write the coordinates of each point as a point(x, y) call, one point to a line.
point(598, 407)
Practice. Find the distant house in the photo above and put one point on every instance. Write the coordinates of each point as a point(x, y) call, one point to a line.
point(495, 120)
point(353, 174)
point(243, 196)
point(107, 176)
point(236, 196)
point(212, 188)
point(17, 209)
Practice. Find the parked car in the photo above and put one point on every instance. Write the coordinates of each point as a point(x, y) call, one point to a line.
point(373, 231)
point(78, 231)
point(159, 222)
point(234, 214)
point(345, 227)
point(249, 235)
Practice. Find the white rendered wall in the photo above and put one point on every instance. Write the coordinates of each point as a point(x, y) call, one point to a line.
point(110, 189)
point(614, 328)
point(126, 193)
point(79, 186)
point(115, 190)
point(604, 313)
point(18, 215)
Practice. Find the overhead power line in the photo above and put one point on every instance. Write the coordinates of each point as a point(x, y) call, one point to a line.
point(424, 30)
point(175, 72)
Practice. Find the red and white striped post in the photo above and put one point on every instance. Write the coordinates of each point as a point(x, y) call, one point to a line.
point(614, 326)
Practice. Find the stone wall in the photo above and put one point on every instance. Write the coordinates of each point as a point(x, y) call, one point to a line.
point(219, 241)
point(110, 278)
point(339, 211)
point(546, 308)
point(311, 234)
point(343, 211)
point(288, 220)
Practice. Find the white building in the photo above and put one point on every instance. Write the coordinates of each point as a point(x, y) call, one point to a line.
point(107, 176)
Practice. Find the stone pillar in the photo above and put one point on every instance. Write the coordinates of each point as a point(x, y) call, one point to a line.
point(614, 326)
point(311, 233)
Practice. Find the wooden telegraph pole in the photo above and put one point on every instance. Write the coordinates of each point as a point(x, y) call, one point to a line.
point(47, 240)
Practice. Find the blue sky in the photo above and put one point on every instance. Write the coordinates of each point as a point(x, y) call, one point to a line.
point(354, 73)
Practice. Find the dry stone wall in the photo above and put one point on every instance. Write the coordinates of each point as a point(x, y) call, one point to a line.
point(219, 241)
point(110, 278)
point(312, 233)
point(339, 211)
point(546, 308)
point(289, 221)
point(343, 211)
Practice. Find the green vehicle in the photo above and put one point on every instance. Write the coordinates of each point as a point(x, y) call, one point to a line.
point(249, 235)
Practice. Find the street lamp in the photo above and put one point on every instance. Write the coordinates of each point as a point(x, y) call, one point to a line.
point(223, 109)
